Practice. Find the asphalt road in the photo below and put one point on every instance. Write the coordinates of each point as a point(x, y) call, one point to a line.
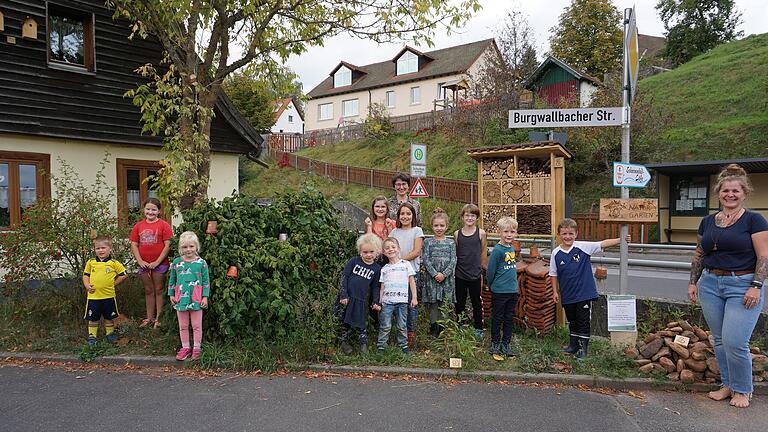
point(37, 398)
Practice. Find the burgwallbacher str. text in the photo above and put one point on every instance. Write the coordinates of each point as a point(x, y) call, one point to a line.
point(559, 116)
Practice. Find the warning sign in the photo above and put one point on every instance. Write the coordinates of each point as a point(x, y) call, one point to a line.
point(418, 190)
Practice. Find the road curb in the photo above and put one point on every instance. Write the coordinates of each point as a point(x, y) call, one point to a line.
point(627, 384)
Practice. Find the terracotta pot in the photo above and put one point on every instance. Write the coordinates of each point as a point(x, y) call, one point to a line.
point(535, 252)
point(212, 227)
point(517, 246)
point(313, 266)
point(232, 272)
point(601, 273)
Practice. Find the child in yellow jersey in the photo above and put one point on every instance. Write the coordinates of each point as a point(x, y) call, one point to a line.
point(100, 277)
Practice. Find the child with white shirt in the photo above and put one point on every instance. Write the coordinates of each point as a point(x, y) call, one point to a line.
point(397, 285)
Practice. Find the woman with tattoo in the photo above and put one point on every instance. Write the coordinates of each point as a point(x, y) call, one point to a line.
point(727, 274)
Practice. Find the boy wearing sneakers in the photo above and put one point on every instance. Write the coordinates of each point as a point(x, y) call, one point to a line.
point(571, 271)
point(502, 278)
point(100, 277)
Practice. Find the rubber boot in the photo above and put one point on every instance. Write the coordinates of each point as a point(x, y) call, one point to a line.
point(573, 346)
point(583, 349)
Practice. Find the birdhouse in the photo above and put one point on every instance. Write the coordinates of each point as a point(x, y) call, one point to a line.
point(232, 272)
point(525, 181)
point(212, 227)
point(29, 28)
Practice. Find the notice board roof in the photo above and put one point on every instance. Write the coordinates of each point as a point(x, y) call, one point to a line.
point(526, 149)
point(754, 165)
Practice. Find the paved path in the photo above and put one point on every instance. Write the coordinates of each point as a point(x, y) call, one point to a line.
point(37, 398)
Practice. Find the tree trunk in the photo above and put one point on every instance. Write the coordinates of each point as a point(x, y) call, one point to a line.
point(197, 117)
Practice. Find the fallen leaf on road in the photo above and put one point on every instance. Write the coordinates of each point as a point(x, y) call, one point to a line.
point(673, 411)
point(79, 377)
point(308, 392)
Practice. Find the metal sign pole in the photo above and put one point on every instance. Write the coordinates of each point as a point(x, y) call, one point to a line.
point(624, 247)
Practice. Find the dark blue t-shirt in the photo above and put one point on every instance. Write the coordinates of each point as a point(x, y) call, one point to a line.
point(734, 243)
point(573, 269)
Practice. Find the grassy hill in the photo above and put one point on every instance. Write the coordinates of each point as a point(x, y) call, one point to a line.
point(717, 103)
point(713, 107)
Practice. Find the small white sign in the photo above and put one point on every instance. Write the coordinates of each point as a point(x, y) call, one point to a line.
point(454, 363)
point(682, 340)
point(622, 313)
point(418, 160)
point(419, 171)
point(630, 175)
point(556, 117)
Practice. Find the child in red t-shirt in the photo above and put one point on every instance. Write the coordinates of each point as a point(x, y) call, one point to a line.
point(150, 243)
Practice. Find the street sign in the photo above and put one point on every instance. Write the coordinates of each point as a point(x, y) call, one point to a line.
point(418, 190)
point(631, 55)
point(418, 160)
point(556, 117)
point(630, 175)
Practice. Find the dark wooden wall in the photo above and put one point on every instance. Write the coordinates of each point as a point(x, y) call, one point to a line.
point(36, 99)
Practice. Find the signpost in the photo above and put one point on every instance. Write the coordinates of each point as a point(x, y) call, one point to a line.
point(557, 117)
point(418, 160)
point(630, 175)
point(642, 210)
point(418, 190)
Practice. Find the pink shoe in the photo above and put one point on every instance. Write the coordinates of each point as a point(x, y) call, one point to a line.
point(183, 354)
point(195, 353)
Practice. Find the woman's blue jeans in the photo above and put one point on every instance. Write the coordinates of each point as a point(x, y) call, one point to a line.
point(722, 301)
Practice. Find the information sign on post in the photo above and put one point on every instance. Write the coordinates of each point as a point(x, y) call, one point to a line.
point(418, 160)
point(622, 313)
point(630, 175)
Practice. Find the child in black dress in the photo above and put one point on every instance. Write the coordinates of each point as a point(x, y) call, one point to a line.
point(359, 280)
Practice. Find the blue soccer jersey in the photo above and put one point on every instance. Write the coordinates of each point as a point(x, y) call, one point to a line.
point(573, 269)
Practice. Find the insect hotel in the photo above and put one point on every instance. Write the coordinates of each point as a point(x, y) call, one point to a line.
point(527, 182)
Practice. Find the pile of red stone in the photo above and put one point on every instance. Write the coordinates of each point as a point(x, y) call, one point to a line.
point(692, 363)
point(535, 308)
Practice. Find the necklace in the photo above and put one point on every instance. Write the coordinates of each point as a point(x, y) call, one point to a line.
point(730, 219)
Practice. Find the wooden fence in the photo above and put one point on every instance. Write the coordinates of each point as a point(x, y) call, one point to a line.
point(591, 229)
point(438, 187)
point(464, 191)
point(285, 142)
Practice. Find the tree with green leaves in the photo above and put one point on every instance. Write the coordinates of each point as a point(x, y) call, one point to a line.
point(207, 40)
point(696, 26)
point(589, 36)
point(254, 97)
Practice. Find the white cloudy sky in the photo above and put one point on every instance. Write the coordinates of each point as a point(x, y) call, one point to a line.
point(542, 15)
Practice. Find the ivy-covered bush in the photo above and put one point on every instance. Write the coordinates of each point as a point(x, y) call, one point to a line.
point(283, 289)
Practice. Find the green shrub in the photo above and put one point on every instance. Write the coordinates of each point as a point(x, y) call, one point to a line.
point(284, 289)
point(53, 240)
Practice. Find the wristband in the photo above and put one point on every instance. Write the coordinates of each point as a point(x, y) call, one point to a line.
point(756, 284)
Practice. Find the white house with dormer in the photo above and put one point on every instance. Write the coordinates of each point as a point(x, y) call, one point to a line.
point(288, 118)
point(408, 83)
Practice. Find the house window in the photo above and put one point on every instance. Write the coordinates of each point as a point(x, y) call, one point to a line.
point(441, 91)
point(390, 99)
point(342, 77)
point(290, 119)
point(133, 187)
point(22, 184)
point(70, 38)
point(415, 95)
point(407, 63)
point(326, 111)
point(350, 107)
